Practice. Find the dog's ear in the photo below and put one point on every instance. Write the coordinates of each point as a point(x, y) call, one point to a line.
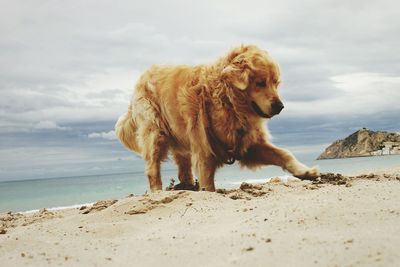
point(237, 75)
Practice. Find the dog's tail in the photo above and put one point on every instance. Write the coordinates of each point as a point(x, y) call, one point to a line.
point(125, 129)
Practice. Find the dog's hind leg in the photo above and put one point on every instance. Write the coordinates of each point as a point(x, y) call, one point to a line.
point(156, 152)
point(185, 174)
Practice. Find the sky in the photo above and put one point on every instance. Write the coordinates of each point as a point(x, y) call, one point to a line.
point(68, 69)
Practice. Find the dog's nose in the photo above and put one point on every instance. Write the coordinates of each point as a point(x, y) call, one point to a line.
point(277, 107)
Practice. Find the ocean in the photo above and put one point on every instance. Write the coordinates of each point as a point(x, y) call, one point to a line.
point(62, 192)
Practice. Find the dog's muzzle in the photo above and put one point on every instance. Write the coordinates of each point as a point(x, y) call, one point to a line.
point(258, 110)
point(276, 108)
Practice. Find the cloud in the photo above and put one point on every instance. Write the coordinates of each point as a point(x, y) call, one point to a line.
point(358, 94)
point(104, 135)
point(48, 125)
point(70, 66)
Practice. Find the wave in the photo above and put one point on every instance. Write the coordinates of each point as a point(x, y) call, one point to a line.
point(59, 208)
point(283, 178)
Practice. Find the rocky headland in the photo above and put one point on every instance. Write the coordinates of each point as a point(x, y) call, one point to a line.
point(364, 143)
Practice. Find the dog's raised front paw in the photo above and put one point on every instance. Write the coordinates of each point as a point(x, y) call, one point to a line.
point(308, 173)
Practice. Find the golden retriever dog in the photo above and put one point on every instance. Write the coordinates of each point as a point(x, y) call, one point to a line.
point(207, 116)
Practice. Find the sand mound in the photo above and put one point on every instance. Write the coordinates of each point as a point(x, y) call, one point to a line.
point(12, 220)
point(149, 203)
point(98, 206)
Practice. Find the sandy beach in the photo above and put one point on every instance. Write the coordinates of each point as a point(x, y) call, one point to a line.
point(337, 221)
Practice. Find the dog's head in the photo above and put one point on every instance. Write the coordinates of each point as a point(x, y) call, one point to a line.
point(253, 71)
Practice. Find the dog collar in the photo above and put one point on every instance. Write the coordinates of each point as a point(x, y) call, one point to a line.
point(226, 154)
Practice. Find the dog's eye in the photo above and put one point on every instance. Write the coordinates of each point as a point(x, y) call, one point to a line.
point(261, 84)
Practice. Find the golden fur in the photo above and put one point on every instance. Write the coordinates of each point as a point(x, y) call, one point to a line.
point(179, 109)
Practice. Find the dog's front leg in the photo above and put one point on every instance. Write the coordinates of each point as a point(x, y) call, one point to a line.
point(267, 154)
point(205, 168)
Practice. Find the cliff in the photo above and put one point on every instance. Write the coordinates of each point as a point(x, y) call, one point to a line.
point(363, 143)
